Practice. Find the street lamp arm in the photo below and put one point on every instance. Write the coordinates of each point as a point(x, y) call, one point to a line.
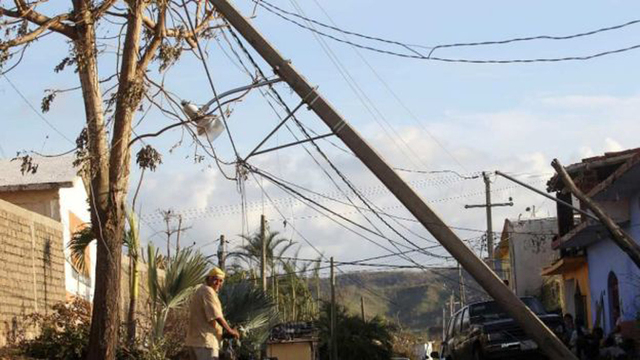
point(205, 108)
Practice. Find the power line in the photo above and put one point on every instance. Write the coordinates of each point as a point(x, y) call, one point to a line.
point(36, 111)
point(469, 61)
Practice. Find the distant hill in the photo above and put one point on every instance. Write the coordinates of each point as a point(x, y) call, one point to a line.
point(412, 299)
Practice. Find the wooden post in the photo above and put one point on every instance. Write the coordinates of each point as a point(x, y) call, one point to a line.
point(334, 345)
point(222, 253)
point(364, 318)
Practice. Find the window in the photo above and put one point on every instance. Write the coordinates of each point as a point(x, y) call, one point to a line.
point(465, 320)
point(452, 326)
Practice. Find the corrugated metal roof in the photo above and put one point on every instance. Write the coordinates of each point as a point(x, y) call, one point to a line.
point(52, 172)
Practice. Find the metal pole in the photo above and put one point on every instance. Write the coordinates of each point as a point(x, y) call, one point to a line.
point(530, 323)
point(263, 257)
point(334, 345)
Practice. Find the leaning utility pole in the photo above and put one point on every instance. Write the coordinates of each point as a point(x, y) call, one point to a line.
point(530, 323)
point(263, 253)
point(334, 345)
point(488, 205)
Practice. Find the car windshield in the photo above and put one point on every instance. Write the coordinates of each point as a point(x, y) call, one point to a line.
point(492, 310)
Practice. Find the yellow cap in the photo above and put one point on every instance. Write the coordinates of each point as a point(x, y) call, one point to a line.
point(217, 272)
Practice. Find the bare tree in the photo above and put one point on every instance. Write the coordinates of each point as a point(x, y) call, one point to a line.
point(150, 31)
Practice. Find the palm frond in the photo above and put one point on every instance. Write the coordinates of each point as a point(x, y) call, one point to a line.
point(78, 246)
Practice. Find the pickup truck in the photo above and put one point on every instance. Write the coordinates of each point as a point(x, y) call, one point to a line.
point(484, 331)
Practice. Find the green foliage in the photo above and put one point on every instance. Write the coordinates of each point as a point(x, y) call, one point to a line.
point(357, 339)
point(182, 275)
point(246, 306)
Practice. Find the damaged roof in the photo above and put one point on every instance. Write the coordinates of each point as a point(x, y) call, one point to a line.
point(594, 174)
point(52, 173)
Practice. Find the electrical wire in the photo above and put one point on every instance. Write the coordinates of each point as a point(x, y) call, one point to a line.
point(468, 61)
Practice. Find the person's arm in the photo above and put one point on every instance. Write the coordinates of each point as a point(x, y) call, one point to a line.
point(226, 327)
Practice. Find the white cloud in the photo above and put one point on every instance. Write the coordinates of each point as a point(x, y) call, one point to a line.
point(521, 140)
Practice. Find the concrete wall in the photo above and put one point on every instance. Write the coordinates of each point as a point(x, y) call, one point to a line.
point(605, 257)
point(62, 205)
point(31, 266)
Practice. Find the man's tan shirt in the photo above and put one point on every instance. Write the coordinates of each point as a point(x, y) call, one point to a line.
point(204, 309)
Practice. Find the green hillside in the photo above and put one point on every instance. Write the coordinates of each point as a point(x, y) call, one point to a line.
point(414, 300)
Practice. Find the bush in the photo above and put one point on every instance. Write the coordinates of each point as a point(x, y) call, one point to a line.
point(64, 334)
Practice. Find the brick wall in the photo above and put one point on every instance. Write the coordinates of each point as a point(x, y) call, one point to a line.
point(31, 266)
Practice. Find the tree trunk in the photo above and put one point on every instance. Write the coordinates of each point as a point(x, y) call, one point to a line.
point(110, 217)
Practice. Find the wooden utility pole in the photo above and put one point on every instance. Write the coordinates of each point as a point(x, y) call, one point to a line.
point(334, 345)
point(625, 242)
point(531, 324)
point(178, 235)
point(444, 322)
point(488, 205)
point(364, 318)
point(263, 257)
point(463, 295)
point(222, 253)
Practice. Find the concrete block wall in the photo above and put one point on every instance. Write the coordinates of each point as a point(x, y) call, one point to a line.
point(31, 266)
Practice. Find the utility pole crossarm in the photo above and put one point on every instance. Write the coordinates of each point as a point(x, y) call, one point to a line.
point(529, 322)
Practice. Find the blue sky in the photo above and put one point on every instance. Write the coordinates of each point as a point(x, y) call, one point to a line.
point(468, 118)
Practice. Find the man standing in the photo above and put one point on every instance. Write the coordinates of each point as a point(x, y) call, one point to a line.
point(206, 321)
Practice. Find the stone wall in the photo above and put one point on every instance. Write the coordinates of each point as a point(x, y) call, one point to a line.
point(31, 267)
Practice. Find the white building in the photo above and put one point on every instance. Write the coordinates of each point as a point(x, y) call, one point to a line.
point(56, 191)
point(524, 250)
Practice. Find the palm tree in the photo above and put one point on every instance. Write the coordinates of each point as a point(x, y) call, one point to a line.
point(276, 247)
point(299, 304)
point(246, 306)
point(181, 277)
point(252, 251)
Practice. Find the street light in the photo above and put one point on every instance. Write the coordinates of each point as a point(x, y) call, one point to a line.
point(206, 122)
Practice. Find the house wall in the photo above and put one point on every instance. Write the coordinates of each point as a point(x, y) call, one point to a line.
point(530, 251)
point(605, 257)
point(73, 203)
point(43, 202)
point(62, 205)
point(31, 267)
point(579, 276)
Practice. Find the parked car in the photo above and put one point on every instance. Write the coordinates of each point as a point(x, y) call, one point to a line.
point(484, 331)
